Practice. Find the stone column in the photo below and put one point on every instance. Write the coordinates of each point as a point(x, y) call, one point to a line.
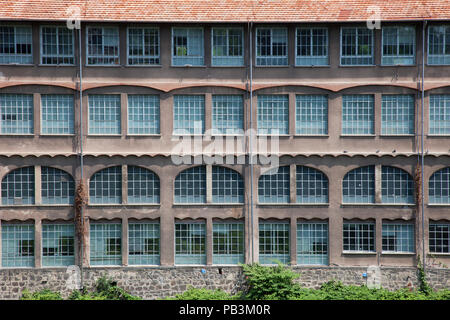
point(37, 243)
point(293, 240)
point(124, 184)
point(378, 183)
point(125, 240)
point(37, 185)
point(209, 241)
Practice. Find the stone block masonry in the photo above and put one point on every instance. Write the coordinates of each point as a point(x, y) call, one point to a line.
point(161, 282)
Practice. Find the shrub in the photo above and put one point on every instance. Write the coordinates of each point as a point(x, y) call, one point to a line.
point(105, 289)
point(202, 294)
point(270, 283)
point(45, 294)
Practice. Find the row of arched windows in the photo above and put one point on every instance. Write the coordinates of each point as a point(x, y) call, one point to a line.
point(143, 186)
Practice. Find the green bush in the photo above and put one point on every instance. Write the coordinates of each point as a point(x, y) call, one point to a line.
point(105, 289)
point(45, 294)
point(270, 282)
point(202, 294)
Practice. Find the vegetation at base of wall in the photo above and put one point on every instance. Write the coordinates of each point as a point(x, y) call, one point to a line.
point(105, 289)
point(277, 283)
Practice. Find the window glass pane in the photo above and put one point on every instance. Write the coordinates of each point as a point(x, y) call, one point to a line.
point(398, 45)
point(58, 245)
point(311, 115)
point(16, 112)
point(57, 45)
point(16, 45)
point(358, 185)
point(273, 187)
point(440, 114)
point(143, 185)
point(57, 114)
point(105, 244)
point(358, 114)
point(227, 114)
point(227, 47)
point(143, 244)
point(439, 187)
point(18, 187)
point(398, 237)
point(397, 186)
point(227, 186)
point(312, 46)
point(103, 46)
point(143, 114)
point(359, 236)
point(439, 45)
point(274, 242)
point(312, 185)
point(188, 114)
point(143, 46)
point(190, 186)
point(104, 114)
point(188, 47)
point(228, 242)
point(273, 114)
point(105, 186)
point(271, 47)
point(190, 243)
point(57, 186)
point(17, 245)
point(356, 46)
point(439, 237)
point(312, 243)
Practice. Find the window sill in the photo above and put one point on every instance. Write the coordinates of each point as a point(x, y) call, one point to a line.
point(357, 65)
point(269, 66)
point(398, 65)
point(437, 205)
point(104, 65)
point(357, 135)
point(372, 253)
point(312, 66)
point(104, 135)
point(242, 66)
point(207, 204)
point(143, 66)
point(96, 205)
point(143, 135)
point(54, 135)
point(442, 254)
point(438, 135)
point(393, 253)
point(378, 205)
point(293, 204)
point(18, 64)
point(188, 66)
point(311, 136)
point(56, 65)
point(284, 135)
point(397, 135)
point(17, 134)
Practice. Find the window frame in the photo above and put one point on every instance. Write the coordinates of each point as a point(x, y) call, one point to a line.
point(197, 98)
point(370, 187)
point(372, 46)
point(311, 56)
point(388, 111)
point(117, 200)
point(359, 238)
point(158, 57)
point(441, 240)
point(398, 56)
point(58, 55)
point(399, 241)
point(282, 227)
point(279, 198)
point(151, 259)
point(282, 101)
point(58, 229)
point(102, 56)
point(18, 125)
point(228, 258)
point(444, 56)
point(18, 260)
point(71, 115)
point(119, 129)
point(439, 199)
point(15, 46)
point(213, 57)
point(196, 258)
point(313, 99)
point(202, 49)
point(106, 228)
point(157, 109)
point(319, 226)
point(360, 124)
point(271, 56)
point(432, 125)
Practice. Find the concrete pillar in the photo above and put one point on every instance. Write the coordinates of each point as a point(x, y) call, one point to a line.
point(378, 183)
point(292, 113)
point(124, 184)
point(87, 242)
point(37, 243)
point(36, 114)
point(125, 241)
point(124, 114)
point(208, 183)
point(208, 112)
point(209, 241)
point(37, 185)
point(293, 241)
point(293, 183)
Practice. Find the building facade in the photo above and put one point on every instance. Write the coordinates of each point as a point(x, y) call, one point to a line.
point(345, 112)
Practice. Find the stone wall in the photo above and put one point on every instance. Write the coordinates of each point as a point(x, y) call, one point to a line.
point(160, 282)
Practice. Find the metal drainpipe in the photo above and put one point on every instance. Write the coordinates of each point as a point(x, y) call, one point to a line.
point(250, 27)
point(422, 162)
point(81, 150)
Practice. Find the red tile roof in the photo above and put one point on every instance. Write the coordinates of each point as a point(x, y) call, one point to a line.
point(225, 10)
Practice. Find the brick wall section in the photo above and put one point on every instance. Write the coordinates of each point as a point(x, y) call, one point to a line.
point(153, 283)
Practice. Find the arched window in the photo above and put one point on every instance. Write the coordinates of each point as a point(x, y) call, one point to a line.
point(143, 185)
point(397, 186)
point(273, 186)
point(18, 187)
point(312, 185)
point(58, 187)
point(358, 185)
point(227, 186)
point(105, 186)
point(190, 186)
point(439, 186)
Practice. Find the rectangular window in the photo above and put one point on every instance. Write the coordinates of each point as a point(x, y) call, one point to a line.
point(57, 45)
point(311, 115)
point(188, 114)
point(187, 47)
point(143, 114)
point(103, 46)
point(227, 47)
point(57, 113)
point(273, 114)
point(358, 114)
point(16, 112)
point(104, 114)
point(398, 237)
point(190, 243)
point(143, 46)
point(312, 243)
point(16, 45)
point(105, 244)
point(399, 46)
point(439, 237)
point(17, 245)
point(440, 114)
point(58, 245)
point(311, 47)
point(227, 114)
point(397, 115)
point(359, 236)
point(356, 46)
point(439, 45)
point(143, 243)
point(271, 47)
point(274, 242)
point(228, 243)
